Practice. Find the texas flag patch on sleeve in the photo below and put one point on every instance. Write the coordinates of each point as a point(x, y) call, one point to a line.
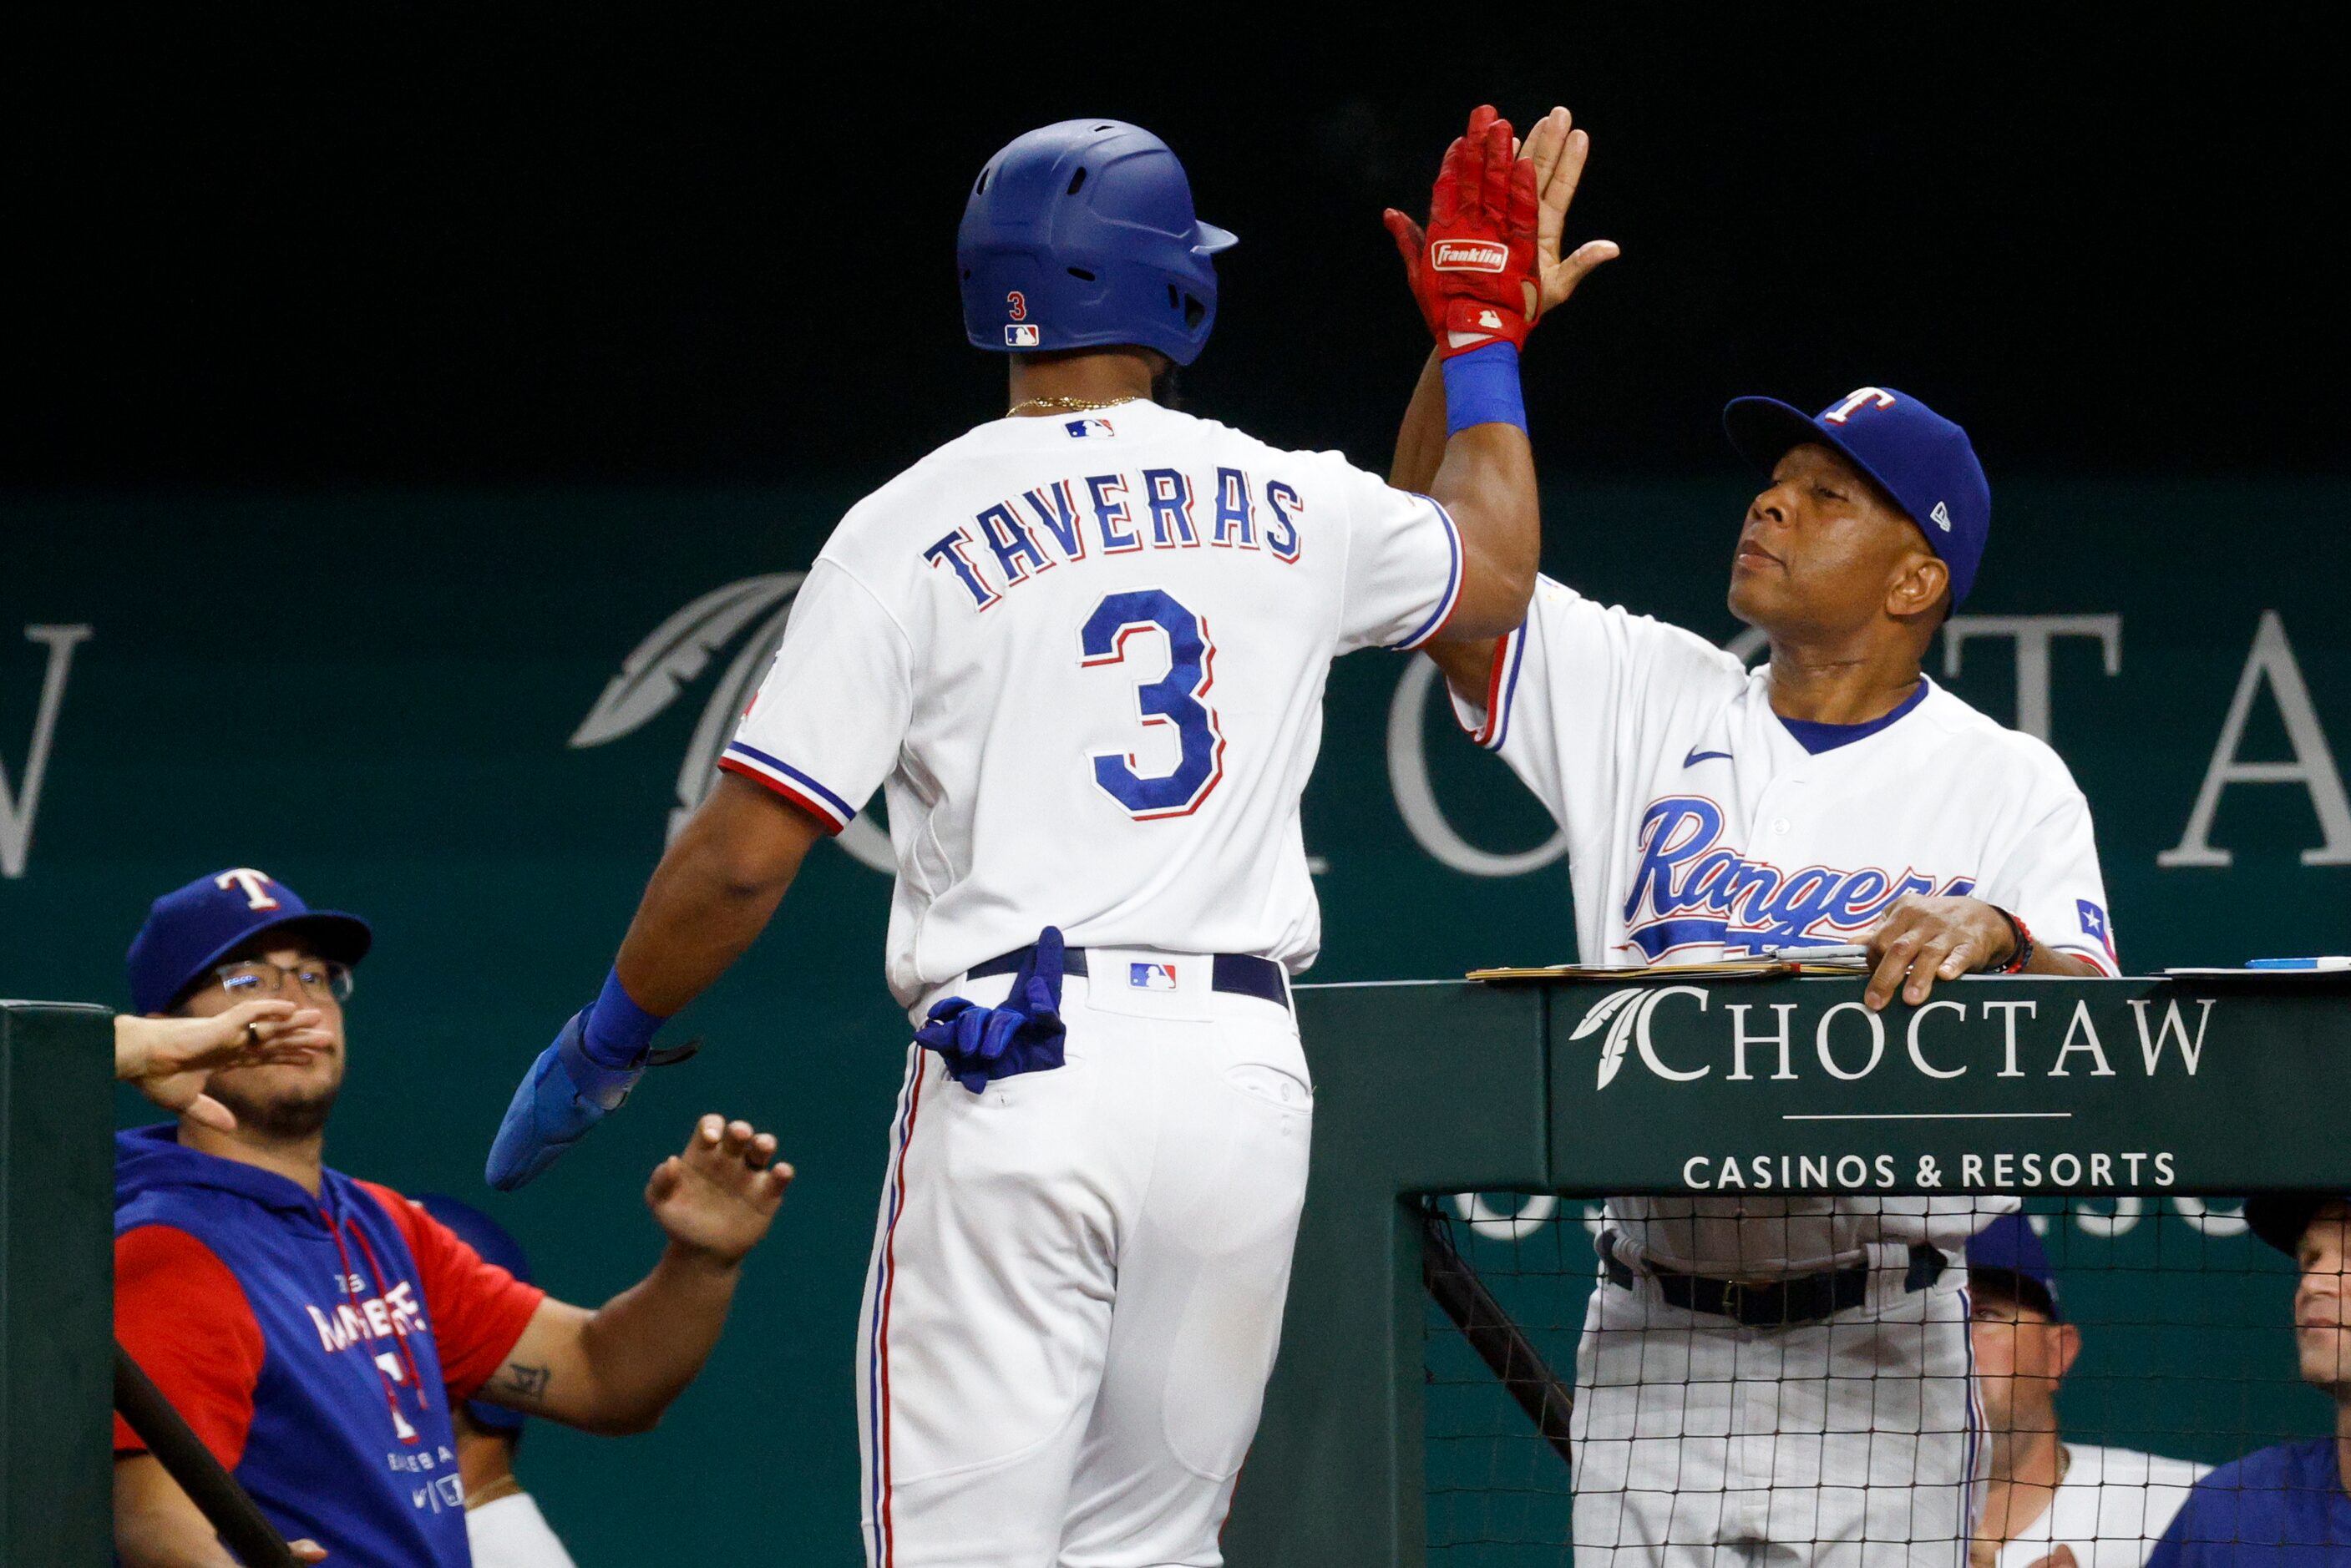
point(2096, 926)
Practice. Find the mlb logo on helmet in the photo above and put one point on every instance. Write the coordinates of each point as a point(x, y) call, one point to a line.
point(1467, 256)
point(1923, 460)
point(1022, 335)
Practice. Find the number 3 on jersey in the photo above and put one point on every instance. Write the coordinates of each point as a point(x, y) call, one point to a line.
point(1172, 698)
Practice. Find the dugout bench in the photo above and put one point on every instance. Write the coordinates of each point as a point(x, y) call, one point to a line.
point(2112, 1088)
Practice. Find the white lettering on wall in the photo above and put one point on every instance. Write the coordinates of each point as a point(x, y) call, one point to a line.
point(2032, 634)
point(16, 811)
point(1409, 775)
point(2312, 766)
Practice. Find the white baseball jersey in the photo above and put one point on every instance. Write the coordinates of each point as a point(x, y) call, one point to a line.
point(1701, 825)
point(1086, 658)
point(2112, 1508)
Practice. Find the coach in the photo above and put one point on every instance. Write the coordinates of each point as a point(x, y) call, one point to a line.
point(1786, 1377)
point(312, 1328)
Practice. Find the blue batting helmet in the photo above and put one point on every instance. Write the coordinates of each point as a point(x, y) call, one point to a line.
point(1080, 235)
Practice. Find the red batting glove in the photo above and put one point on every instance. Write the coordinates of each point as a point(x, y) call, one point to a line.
point(1473, 271)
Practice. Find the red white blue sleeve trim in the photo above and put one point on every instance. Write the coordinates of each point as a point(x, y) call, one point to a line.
point(1452, 595)
point(1501, 688)
point(790, 782)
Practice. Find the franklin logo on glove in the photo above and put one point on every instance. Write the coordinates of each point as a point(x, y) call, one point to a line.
point(1467, 256)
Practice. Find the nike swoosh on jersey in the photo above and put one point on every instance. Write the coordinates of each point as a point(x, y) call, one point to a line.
point(1698, 756)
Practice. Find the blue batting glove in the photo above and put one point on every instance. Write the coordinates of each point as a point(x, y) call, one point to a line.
point(981, 1044)
point(565, 1094)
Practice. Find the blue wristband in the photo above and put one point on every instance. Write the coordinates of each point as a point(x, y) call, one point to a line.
point(1482, 388)
point(618, 1032)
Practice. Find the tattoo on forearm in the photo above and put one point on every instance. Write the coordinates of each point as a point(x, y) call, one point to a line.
point(528, 1382)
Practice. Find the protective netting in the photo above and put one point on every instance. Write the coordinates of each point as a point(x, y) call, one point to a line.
point(1918, 1418)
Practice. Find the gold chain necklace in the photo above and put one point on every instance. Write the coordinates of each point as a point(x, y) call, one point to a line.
point(1066, 405)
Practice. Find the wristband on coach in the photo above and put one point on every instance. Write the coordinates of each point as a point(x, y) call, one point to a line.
point(1482, 388)
point(2022, 953)
point(617, 1032)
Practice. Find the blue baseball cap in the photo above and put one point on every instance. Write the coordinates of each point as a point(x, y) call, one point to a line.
point(190, 930)
point(1913, 453)
point(497, 1245)
point(2009, 1245)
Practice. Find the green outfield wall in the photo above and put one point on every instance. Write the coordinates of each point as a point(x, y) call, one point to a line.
point(473, 718)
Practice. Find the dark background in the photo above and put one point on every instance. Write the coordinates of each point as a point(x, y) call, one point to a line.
point(389, 245)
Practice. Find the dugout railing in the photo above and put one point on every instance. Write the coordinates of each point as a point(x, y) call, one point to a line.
point(2147, 1091)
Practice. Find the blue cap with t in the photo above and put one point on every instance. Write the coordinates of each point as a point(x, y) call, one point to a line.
point(495, 1245)
point(1915, 455)
point(2009, 1245)
point(190, 930)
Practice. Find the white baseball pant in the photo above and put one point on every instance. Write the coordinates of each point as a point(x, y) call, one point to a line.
point(1077, 1281)
point(1855, 1442)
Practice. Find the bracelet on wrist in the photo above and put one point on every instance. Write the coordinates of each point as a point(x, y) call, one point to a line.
point(2020, 953)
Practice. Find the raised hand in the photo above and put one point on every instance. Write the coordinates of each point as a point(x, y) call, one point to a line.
point(719, 1196)
point(1557, 150)
point(170, 1060)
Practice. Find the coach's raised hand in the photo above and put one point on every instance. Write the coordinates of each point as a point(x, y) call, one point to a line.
point(1557, 150)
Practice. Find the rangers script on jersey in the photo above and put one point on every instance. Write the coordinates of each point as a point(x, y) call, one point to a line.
point(1124, 622)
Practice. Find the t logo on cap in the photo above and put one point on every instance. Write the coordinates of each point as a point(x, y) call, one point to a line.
point(256, 884)
point(1854, 399)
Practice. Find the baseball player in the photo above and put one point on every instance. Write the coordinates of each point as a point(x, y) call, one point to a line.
point(1789, 1374)
point(1083, 648)
point(2288, 1505)
point(2050, 1502)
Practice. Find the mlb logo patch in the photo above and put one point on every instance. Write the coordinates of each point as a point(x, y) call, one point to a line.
point(2095, 925)
point(1020, 335)
point(1151, 976)
point(1080, 429)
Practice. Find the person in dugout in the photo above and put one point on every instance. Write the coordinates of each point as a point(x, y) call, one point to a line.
point(502, 1521)
point(2050, 1502)
point(2288, 1505)
point(314, 1329)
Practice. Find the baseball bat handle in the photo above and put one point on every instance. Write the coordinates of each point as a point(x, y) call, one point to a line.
point(224, 1503)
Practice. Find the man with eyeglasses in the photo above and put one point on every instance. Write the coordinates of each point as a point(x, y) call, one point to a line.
point(314, 1329)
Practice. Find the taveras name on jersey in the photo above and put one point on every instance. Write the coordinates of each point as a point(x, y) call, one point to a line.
point(1086, 659)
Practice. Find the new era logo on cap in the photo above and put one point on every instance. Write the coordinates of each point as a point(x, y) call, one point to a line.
point(1467, 256)
point(1020, 335)
point(1942, 516)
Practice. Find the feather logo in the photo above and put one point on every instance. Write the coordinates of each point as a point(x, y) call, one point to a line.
point(1625, 1016)
point(673, 656)
point(1611, 1054)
